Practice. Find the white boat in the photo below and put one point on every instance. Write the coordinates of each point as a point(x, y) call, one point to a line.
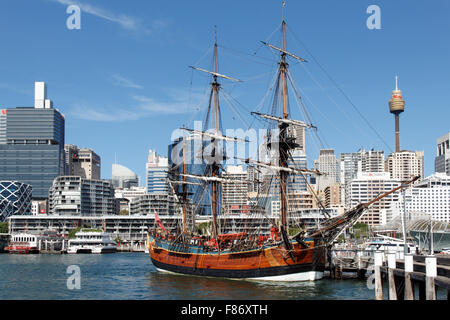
point(23, 243)
point(91, 242)
point(389, 244)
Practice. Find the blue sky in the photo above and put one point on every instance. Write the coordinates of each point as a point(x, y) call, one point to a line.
point(124, 84)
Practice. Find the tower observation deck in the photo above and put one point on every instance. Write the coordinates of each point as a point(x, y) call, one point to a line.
point(397, 106)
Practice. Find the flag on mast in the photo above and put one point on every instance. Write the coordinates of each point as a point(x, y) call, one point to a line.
point(158, 220)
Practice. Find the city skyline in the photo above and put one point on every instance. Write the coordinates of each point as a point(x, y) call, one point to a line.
point(128, 99)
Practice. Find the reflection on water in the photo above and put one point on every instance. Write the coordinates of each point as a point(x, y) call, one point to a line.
point(173, 286)
point(132, 276)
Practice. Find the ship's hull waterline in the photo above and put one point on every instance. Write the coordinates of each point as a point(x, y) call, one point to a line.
point(272, 263)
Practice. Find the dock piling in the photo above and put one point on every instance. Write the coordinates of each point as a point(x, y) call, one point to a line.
point(409, 267)
point(378, 261)
point(431, 273)
point(391, 259)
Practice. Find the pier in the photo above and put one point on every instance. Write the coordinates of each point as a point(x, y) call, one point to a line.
point(407, 276)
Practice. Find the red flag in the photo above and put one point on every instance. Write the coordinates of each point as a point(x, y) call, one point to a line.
point(159, 222)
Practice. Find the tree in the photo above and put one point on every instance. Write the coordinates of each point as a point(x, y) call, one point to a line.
point(3, 227)
point(124, 212)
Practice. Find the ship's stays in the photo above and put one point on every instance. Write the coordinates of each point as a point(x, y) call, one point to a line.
point(285, 255)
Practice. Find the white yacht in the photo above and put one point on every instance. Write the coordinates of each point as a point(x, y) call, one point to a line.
point(389, 244)
point(91, 241)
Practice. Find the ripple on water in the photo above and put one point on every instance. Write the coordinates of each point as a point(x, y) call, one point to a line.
point(124, 276)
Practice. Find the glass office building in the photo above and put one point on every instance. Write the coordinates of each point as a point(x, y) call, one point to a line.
point(32, 146)
point(15, 199)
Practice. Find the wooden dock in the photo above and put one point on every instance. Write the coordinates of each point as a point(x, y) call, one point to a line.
point(403, 273)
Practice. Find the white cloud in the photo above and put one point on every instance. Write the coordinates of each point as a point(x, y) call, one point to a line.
point(124, 82)
point(125, 21)
point(178, 103)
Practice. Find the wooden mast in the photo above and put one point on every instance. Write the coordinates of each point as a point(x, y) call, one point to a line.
point(215, 167)
point(184, 187)
point(216, 154)
point(282, 127)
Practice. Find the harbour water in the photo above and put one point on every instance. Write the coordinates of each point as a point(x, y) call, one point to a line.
point(131, 276)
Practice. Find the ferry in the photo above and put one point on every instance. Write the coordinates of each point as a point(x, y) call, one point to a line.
point(23, 243)
point(91, 242)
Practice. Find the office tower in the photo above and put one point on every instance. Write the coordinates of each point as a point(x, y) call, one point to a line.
point(367, 186)
point(185, 156)
point(32, 144)
point(327, 164)
point(72, 195)
point(15, 199)
point(333, 195)
point(361, 161)
point(82, 162)
point(442, 160)
point(156, 171)
point(405, 165)
point(298, 133)
point(253, 178)
point(235, 192)
point(397, 106)
point(122, 177)
point(297, 182)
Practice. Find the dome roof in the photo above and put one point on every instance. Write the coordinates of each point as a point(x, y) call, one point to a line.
point(122, 172)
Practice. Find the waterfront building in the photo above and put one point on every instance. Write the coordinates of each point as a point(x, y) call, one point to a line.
point(148, 204)
point(405, 165)
point(130, 193)
point(32, 144)
point(442, 160)
point(124, 196)
point(82, 162)
point(367, 186)
point(73, 195)
point(122, 177)
point(328, 165)
point(15, 199)
point(430, 196)
point(156, 173)
point(134, 227)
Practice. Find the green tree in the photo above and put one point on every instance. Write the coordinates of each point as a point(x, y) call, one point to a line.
point(3, 227)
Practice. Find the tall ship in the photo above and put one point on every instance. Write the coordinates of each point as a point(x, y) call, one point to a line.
point(291, 252)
